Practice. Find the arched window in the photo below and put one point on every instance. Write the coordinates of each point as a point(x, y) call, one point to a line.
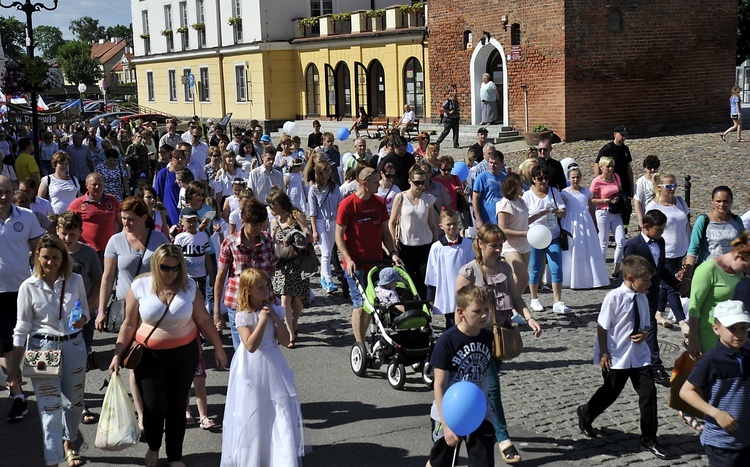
point(312, 95)
point(330, 92)
point(414, 86)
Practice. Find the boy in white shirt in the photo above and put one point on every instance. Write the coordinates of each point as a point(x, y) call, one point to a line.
point(622, 353)
point(447, 255)
point(195, 248)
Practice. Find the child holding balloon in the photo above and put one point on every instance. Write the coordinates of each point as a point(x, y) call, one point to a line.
point(462, 354)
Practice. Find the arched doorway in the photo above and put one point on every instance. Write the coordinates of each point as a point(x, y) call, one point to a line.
point(360, 89)
point(489, 58)
point(312, 90)
point(376, 89)
point(414, 86)
point(343, 91)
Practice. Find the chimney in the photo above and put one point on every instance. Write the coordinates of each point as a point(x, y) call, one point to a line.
point(101, 41)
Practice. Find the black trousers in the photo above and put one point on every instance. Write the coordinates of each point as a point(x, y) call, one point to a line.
point(415, 262)
point(164, 378)
point(448, 125)
point(614, 381)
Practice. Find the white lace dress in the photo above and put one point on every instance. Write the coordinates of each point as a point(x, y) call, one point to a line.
point(262, 416)
point(583, 264)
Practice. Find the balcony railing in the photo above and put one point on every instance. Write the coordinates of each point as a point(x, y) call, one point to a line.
point(363, 21)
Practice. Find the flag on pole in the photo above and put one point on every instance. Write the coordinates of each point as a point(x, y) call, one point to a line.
point(40, 105)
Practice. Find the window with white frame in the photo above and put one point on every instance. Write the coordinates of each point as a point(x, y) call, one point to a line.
point(184, 36)
point(172, 84)
point(186, 84)
point(237, 13)
point(150, 85)
point(321, 7)
point(201, 17)
point(240, 83)
point(203, 87)
point(168, 27)
point(144, 18)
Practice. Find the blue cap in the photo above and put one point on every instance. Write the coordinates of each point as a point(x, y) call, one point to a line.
point(388, 276)
point(265, 138)
point(143, 175)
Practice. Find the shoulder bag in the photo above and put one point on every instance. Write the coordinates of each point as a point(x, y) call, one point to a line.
point(131, 358)
point(564, 234)
point(39, 363)
point(116, 308)
point(283, 249)
point(507, 343)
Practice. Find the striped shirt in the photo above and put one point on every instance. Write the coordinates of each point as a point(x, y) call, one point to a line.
point(723, 374)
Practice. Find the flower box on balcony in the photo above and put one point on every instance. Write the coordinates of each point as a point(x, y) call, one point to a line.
point(167, 33)
point(199, 26)
point(235, 21)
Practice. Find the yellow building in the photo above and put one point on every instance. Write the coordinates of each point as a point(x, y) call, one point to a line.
point(313, 63)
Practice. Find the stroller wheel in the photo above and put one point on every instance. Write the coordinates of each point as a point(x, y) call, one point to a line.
point(428, 374)
point(358, 359)
point(396, 375)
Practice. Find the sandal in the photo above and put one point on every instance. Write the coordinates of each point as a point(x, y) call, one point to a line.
point(206, 423)
point(660, 319)
point(692, 422)
point(88, 416)
point(722, 136)
point(72, 458)
point(510, 455)
point(189, 420)
point(290, 345)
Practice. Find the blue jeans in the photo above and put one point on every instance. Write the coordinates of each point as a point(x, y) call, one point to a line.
point(235, 335)
point(554, 261)
point(210, 287)
point(60, 400)
point(357, 300)
point(501, 428)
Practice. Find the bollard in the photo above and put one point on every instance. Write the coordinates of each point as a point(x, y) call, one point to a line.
point(688, 185)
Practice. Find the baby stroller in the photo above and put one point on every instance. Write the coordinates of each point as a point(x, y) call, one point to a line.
point(397, 339)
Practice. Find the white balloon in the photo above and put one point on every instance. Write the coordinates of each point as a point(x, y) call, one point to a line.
point(539, 236)
point(287, 127)
point(567, 162)
point(292, 128)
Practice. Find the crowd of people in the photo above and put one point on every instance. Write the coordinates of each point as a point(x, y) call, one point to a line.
point(189, 234)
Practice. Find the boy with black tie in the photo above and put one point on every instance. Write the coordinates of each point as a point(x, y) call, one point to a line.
point(650, 246)
point(620, 352)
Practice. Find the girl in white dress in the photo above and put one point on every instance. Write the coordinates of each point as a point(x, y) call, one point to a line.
point(262, 416)
point(295, 185)
point(584, 266)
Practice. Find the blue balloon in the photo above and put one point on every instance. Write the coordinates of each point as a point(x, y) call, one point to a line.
point(343, 133)
point(461, 170)
point(409, 148)
point(464, 407)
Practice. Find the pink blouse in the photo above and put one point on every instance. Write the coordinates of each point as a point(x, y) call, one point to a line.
point(603, 189)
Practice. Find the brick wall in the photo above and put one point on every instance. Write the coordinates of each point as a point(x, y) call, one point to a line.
point(672, 62)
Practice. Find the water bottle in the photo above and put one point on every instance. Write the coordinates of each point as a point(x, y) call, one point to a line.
point(551, 221)
point(75, 315)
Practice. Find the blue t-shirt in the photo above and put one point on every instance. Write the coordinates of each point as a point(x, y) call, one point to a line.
point(489, 188)
point(169, 192)
point(723, 375)
point(465, 358)
point(733, 101)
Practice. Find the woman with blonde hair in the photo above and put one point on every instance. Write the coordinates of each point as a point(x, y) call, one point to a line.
point(489, 271)
point(45, 304)
point(606, 190)
point(165, 312)
point(525, 171)
point(228, 173)
point(735, 113)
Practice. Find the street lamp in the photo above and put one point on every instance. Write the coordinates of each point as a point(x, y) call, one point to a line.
point(81, 90)
point(29, 8)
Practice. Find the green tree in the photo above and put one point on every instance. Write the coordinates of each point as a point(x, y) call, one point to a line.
point(48, 39)
point(743, 32)
point(125, 32)
point(77, 65)
point(88, 29)
point(13, 36)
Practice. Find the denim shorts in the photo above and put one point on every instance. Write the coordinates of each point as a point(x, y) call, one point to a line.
point(353, 289)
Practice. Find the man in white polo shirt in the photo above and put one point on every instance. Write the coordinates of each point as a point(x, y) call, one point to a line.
point(19, 233)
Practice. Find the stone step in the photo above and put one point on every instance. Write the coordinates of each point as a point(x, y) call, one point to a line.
point(508, 139)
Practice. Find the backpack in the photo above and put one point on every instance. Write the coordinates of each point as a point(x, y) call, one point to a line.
point(48, 180)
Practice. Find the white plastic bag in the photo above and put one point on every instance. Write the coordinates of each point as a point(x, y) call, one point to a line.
point(118, 427)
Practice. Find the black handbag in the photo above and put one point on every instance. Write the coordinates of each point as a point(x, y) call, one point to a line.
point(564, 234)
point(116, 308)
point(619, 206)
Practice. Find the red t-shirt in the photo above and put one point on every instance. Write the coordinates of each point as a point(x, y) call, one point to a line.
point(98, 219)
point(364, 230)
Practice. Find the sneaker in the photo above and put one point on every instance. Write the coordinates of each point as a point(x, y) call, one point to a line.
point(536, 305)
point(518, 319)
point(332, 288)
point(18, 410)
point(559, 307)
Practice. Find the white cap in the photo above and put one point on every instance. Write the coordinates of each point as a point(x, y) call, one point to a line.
point(731, 312)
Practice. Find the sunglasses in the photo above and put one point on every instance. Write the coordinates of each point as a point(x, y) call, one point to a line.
point(669, 186)
point(165, 268)
point(388, 176)
point(419, 182)
point(202, 195)
point(541, 179)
